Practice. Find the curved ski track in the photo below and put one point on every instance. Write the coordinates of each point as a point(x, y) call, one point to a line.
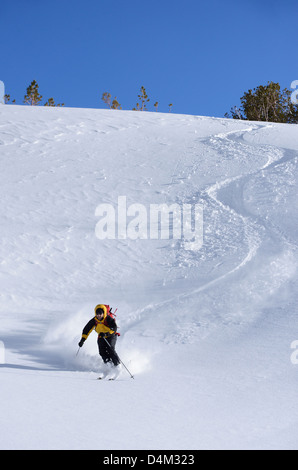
point(258, 232)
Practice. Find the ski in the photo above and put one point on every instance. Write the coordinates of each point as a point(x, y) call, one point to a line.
point(106, 378)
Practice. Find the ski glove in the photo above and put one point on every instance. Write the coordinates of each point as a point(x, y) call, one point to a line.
point(82, 342)
point(104, 335)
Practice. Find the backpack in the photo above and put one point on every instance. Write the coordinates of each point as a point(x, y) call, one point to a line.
point(111, 314)
point(109, 311)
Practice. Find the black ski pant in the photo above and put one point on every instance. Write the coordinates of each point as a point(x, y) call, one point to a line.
point(107, 351)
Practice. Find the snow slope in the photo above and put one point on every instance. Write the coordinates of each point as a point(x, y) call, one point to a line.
point(207, 333)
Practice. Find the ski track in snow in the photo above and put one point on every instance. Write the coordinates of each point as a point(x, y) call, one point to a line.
point(256, 231)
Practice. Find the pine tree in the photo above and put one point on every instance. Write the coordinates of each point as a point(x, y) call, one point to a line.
point(51, 102)
point(143, 100)
point(7, 99)
point(32, 97)
point(115, 104)
point(156, 105)
point(266, 103)
point(106, 98)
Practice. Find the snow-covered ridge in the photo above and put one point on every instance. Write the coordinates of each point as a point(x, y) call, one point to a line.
point(213, 326)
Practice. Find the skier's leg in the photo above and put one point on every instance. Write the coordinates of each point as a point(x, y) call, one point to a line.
point(113, 355)
point(103, 350)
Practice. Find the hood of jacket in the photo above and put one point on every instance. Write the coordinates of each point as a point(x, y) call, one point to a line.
point(104, 308)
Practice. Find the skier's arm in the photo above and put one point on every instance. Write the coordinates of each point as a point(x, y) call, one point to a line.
point(111, 323)
point(87, 330)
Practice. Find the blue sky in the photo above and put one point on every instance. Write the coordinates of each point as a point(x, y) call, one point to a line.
point(199, 55)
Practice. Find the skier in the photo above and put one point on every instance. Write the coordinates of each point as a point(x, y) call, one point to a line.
point(105, 325)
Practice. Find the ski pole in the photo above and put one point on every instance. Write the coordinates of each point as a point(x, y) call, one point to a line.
point(112, 349)
point(78, 352)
